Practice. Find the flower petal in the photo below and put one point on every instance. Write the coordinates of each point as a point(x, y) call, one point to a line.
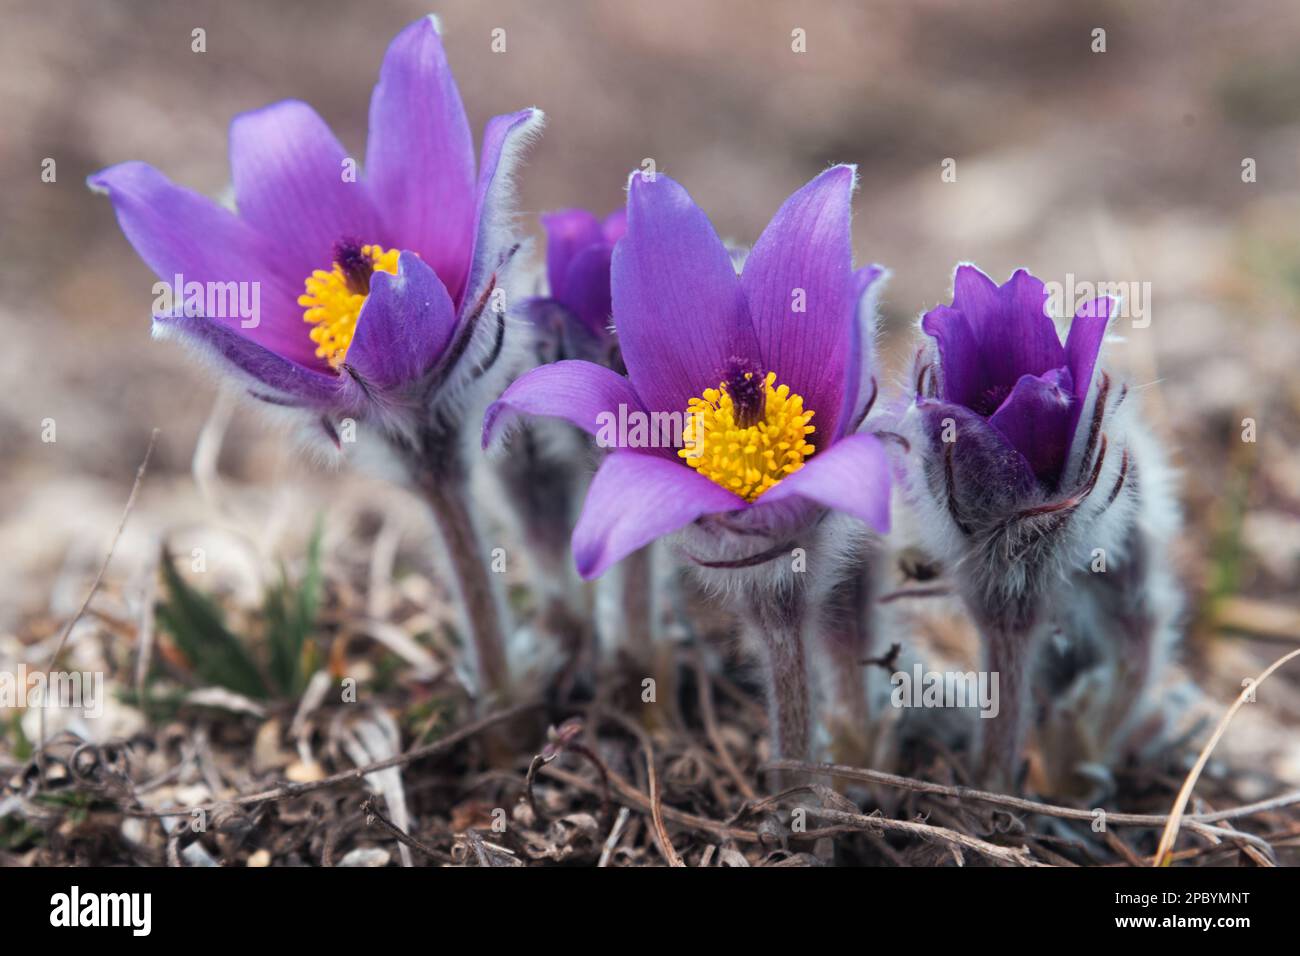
point(852, 476)
point(578, 392)
point(975, 294)
point(678, 305)
point(961, 360)
point(615, 225)
point(634, 499)
point(405, 324)
point(1037, 418)
point(860, 371)
point(288, 171)
point(178, 232)
point(420, 154)
point(568, 232)
point(267, 375)
point(1083, 344)
point(587, 290)
point(805, 257)
point(1023, 341)
point(504, 141)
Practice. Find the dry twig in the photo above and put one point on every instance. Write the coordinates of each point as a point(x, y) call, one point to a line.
point(1176, 816)
point(94, 587)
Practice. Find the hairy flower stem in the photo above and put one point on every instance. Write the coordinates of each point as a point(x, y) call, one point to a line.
point(1125, 599)
point(639, 619)
point(1008, 649)
point(449, 500)
point(843, 642)
point(542, 488)
point(774, 624)
point(636, 600)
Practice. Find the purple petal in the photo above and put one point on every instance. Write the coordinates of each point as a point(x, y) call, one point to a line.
point(578, 392)
point(1037, 419)
point(178, 232)
point(852, 476)
point(289, 185)
point(270, 376)
point(1083, 343)
point(1024, 341)
point(961, 361)
point(807, 251)
point(678, 305)
point(862, 345)
point(568, 232)
point(404, 326)
point(420, 155)
point(636, 498)
point(587, 288)
point(975, 294)
point(504, 141)
point(615, 225)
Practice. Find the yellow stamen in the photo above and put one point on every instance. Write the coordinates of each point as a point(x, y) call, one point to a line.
point(333, 304)
point(747, 459)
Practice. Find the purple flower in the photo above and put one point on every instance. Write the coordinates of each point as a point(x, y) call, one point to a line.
point(368, 286)
point(1003, 373)
point(763, 369)
point(1005, 494)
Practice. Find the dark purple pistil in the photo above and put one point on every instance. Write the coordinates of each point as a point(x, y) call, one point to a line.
point(356, 265)
point(743, 381)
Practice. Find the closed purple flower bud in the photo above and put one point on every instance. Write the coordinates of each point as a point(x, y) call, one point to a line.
point(1023, 467)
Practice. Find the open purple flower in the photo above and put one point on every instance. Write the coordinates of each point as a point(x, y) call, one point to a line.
point(736, 423)
point(368, 286)
point(574, 319)
point(759, 370)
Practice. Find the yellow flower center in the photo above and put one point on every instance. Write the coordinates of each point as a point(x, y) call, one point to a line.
point(747, 434)
point(333, 299)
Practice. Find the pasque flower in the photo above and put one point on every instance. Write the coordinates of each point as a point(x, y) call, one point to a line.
point(765, 372)
point(372, 286)
point(368, 282)
point(1024, 468)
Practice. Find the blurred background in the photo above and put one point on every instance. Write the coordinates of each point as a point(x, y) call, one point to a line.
point(1124, 165)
